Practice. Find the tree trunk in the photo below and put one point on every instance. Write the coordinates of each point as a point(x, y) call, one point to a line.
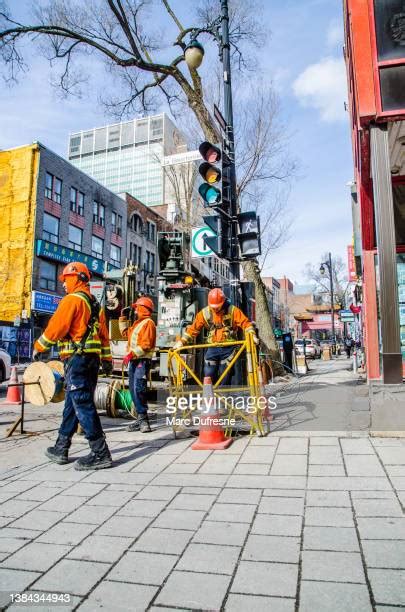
point(263, 316)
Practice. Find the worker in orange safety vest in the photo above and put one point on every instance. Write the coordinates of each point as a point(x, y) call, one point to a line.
point(141, 338)
point(79, 327)
point(222, 320)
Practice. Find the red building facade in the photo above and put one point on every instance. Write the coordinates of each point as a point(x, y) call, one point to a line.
point(375, 62)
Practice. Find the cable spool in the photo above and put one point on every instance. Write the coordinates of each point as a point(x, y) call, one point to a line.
point(114, 398)
point(49, 377)
point(100, 396)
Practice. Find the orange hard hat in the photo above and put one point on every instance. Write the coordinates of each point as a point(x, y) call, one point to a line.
point(144, 301)
point(216, 298)
point(76, 268)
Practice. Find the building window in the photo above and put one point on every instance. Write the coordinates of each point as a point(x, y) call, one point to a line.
point(152, 263)
point(50, 228)
point(151, 231)
point(97, 247)
point(133, 252)
point(98, 213)
point(115, 255)
point(53, 188)
point(147, 266)
point(47, 275)
point(116, 221)
point(139, 262)
point(75, 238)
point(136, 224)
point(48, 186)
point(76, 201)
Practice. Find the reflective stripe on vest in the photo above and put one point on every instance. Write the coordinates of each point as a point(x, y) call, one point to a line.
point(226, 326)
point(92, 344)
point(134, 340)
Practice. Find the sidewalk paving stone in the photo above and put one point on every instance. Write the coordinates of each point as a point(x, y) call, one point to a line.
point(282, 505)
point(392, 455)
point(181, 468)
point(85, 489)
point(389, 494)
point(77, 577)
point(272, 548)
point(332, 566)
point(15, 508)
point(267, 482)
point(40, 519)
point(14, 581)
point(342, 539)
point(93, 515)
point(111, 498)
point(10, 545)
point(388, 586)
point(269, 440)
point(66, 533)
point(274, 492)
point(109, 595)
point(238, 513)
point(395, 470)
point(334, 499)
point(170, 541)
point(143, 568)
point(384, 553)
point(324, 441)
point(363, 465)
point(325, 455)
point(209, 558)
point(328, 517)
point(293, 446)
point(289, 465)
point(36, 557)
point(377, 507)
point(190, 480)
point(252, 468)
point(219, 464)
point(255, 603)
point(193, 590)
point(183, 519)
point(326, 470)
point(40, 493)
point(158, 493)
point(106, 549)
point(231, 534)
point(333, 597)
point(201, 490)
point(186, 501)
point(382, 528)
point(274, 524)
point(143, 507)
point(398, 483)
point(348, 483)
point(240, 496)
point(119, 525)
point(266, 578)
point(258, 454)
point(24, 534)
point(357, 446)
point(62, 503)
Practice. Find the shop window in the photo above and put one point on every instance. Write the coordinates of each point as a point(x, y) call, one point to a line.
point(389, 25)
point(75, 238)
point(50, 230)
point(47, 275)
point(392, 80)
point(399, 213)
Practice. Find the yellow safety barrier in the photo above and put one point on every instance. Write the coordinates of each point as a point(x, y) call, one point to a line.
point(257, 415)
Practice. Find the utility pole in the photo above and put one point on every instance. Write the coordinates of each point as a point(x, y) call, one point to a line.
point(234, 267)
point(332, 301)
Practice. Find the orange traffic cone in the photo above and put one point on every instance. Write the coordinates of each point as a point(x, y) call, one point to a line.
point(13, 393)
point(211, 436)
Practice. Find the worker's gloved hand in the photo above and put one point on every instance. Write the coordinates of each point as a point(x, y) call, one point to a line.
point(255, 339)
point(36, 355)
point(127, 359)
point(107, 366)
point(125, 312)
point(177, 345)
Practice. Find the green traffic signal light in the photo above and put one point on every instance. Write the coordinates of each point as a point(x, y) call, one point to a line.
point(210, 194)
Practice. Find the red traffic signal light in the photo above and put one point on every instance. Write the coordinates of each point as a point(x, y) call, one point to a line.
point(210, 152)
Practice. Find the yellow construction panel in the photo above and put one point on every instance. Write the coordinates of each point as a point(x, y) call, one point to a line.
point(18, 189)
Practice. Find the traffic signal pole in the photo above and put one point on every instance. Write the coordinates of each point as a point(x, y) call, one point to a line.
point(234, 267)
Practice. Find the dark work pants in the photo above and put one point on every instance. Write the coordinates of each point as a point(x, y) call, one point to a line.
point(216, 360)
point(138, 371)
point(81, 372)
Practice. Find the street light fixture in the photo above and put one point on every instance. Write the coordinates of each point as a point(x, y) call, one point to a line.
point(194, 54)
point(328, 264)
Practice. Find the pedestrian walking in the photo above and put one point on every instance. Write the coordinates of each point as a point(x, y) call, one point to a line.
point(141, 338)
point(79, 327)
point(348, 346)
point(222, 320)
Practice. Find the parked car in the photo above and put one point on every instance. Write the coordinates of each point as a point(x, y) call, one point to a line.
point(5, 365)
point(312, 348)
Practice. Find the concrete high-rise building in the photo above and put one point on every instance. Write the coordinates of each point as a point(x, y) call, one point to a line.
point(127, 157)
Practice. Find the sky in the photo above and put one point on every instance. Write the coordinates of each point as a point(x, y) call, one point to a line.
point(302, 58)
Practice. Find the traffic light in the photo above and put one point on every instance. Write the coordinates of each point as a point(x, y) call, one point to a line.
point(215, 171)
point(249, 235)
point(219, 243)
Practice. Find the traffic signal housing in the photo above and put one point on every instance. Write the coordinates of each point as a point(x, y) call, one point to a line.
point(249, 235)
point(215, 172)
point(219, 243)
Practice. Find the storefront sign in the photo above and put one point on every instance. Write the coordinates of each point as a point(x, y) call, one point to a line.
point(351, 264)
point(66, 255)
point(45, 302)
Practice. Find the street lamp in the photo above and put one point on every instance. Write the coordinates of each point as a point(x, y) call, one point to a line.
point(328, 264)
point(193, 54)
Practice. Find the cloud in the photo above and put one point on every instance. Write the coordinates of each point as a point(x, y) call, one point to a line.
point(334, 34)
point(323, 86)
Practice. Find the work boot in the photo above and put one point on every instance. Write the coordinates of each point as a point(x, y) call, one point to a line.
point(59, 452)
point(141, 424)
point(99, 457)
